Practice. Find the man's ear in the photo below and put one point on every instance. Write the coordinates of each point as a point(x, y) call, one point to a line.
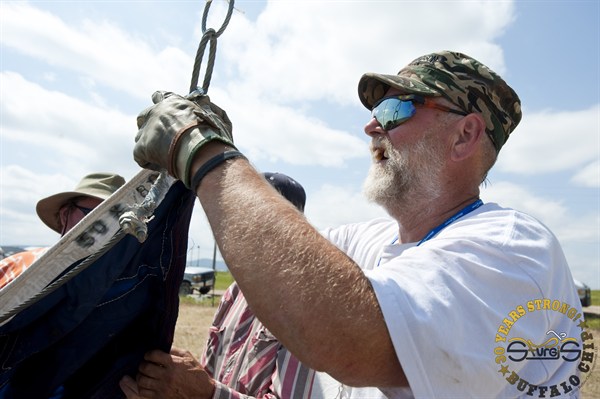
point(470, 129)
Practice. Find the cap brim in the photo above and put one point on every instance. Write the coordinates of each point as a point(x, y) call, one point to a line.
point(47, 208)
point(373, 86)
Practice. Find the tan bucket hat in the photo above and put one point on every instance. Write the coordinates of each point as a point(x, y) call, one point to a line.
point(95, 185)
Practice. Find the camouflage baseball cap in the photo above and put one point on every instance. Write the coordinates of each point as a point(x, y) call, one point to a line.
point(460, 79)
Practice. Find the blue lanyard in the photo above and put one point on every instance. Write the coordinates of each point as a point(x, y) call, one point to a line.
point(467, 209)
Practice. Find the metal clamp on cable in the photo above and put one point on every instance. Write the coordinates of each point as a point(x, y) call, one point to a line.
point(134, 221)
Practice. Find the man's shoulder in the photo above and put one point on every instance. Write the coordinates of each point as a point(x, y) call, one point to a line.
point(380, 223)
point(500, 220)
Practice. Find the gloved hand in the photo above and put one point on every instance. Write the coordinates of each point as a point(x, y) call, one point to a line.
point(173, 130)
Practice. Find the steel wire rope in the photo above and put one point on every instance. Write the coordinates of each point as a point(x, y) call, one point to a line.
point(208, 35)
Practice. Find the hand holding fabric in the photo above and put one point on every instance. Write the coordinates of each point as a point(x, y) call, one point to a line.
point(175, 375)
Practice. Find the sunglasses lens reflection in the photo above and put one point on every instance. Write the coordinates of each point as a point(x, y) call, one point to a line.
point(392, 112)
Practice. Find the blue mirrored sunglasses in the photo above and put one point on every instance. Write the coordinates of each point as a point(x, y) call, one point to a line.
point(392, 111)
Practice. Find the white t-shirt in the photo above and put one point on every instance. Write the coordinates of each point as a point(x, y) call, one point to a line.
point(456, 304)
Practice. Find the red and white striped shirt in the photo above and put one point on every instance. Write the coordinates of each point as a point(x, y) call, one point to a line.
point(246, 360)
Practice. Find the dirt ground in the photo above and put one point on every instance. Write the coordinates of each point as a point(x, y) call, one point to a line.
point(192, 326)
point(194, 320)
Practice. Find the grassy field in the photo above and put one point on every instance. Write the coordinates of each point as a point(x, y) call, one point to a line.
point(593, 321)
point(596, 297)
point(223, 280)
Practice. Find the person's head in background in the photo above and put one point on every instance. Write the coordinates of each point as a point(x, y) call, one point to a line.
point(288, 187)
point(64, 210)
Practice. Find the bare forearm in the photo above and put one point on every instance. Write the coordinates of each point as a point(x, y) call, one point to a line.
point(313, 297)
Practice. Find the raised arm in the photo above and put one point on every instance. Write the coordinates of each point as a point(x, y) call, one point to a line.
point(313, 297)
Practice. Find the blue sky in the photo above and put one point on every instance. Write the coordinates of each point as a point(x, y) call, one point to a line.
point(74, 75)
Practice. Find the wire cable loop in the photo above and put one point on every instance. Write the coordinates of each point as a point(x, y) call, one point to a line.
point(208, 35)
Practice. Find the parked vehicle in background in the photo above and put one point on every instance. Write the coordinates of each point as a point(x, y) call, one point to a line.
point(195, 278)
point(584, 292)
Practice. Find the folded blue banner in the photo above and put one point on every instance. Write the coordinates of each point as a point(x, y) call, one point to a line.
point(82, 338)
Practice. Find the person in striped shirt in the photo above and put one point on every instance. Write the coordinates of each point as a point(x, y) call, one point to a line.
point(242, 358)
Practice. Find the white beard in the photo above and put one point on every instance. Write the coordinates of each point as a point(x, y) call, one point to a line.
point(408, 175)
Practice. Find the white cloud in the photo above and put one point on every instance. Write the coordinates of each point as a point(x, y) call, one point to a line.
point(98, 50)
point(552, 141)
point(551, 213)
point(278, 133)
point(21, 190)
point(333, 206)
point(330, 44)
point(78, 135)
point(320, 55)
point(588, 176)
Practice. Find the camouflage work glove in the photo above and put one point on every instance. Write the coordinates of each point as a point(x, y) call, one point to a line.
point(173, 130)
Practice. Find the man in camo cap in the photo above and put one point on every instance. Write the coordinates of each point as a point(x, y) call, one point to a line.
point(423, 304)
point(458, 78)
